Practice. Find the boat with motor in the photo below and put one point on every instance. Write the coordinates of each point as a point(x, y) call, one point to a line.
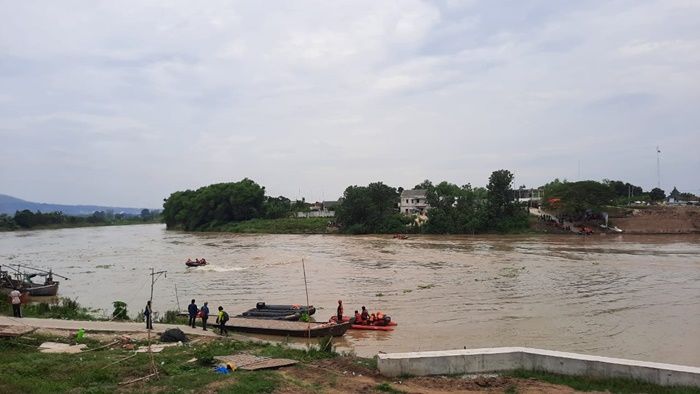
point(48, 288)
point(196, 263)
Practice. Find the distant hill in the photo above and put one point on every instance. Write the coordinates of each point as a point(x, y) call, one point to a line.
point(10, 205)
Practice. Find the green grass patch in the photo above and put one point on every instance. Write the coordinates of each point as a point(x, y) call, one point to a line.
point(612, 385)
point(387, 388)
point(63, 308)
point(278, 226)
point(25, 370)
point(254, 382)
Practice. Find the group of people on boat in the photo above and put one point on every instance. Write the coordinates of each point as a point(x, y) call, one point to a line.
point(201, 261)
point(363, 318)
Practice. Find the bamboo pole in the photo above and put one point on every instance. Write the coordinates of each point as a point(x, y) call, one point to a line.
point(308, 315)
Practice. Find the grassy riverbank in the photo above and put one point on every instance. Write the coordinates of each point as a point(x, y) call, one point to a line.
point(63, 308)
point(190, 368)
point(278, 226)
point(58, 226)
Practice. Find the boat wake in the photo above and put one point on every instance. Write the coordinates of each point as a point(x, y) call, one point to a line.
point(213, 268)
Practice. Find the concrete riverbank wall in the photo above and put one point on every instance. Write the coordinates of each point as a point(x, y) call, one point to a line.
point(475, 361)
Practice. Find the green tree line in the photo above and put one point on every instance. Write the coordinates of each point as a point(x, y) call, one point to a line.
point(362, 209)
point(27, 219)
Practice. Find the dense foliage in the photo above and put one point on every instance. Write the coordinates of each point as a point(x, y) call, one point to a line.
point(503, 213)
point(216, 205)
point(454, 209)
point(575, 199)
point(370, 209)
point(27, 219)
point(467, 210)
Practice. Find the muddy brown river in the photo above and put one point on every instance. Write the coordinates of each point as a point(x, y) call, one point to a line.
point(621, 296)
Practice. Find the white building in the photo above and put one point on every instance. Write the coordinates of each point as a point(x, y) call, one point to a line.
point(413, 202)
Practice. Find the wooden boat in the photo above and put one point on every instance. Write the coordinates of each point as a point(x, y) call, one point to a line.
point(287, 328)
point(48, 290)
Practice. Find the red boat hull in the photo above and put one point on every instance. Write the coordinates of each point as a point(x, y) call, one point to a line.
point(388, 327)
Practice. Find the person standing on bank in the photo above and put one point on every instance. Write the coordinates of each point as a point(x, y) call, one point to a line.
point(205, 315)
point(192, 309)
point(148, 313)
point(16, 302)
point(221, 320)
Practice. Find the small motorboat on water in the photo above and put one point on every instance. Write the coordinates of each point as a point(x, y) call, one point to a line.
point(195, 263)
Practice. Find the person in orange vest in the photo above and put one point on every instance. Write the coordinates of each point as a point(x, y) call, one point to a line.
point(380, 319)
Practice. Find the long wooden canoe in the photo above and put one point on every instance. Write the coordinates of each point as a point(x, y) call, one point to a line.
point(287, 328)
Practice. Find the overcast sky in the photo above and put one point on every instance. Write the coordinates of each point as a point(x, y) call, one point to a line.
point(122, 103)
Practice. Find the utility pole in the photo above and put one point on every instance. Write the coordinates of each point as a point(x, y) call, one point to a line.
point(629, 194)
point(658, 167)
point(154, 278)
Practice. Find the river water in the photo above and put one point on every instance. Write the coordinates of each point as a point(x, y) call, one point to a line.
point(621, 296)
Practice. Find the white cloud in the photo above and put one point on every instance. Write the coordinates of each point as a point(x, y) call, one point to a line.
point(320, 95)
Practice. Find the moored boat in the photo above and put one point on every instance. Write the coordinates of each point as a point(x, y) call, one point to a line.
point(272, 315)
point(48, 290)
point(288, 309)
point(287, 328)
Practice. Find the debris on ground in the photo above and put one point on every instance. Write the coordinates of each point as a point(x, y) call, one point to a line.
point(15, 331)
point(173, 335)
point(56, 347)
point(248, 362)
point(157, 348)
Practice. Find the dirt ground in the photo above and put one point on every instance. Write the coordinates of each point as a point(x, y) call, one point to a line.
point(661, 220)
point(345, 375)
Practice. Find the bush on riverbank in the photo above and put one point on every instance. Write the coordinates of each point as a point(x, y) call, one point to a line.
point(278, 226)
point(28, 220)
point(64, 308)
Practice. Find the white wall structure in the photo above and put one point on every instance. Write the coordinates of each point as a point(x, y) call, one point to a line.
point(475, 361)
point(413, 202)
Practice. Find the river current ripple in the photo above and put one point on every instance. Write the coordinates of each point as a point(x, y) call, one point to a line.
point(618, 295)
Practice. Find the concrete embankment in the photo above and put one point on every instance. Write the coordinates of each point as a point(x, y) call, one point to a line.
point(475, 361)
point(98, 326)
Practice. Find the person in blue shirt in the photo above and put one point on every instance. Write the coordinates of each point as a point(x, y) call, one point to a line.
point(205, 314)
point(192, 309)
